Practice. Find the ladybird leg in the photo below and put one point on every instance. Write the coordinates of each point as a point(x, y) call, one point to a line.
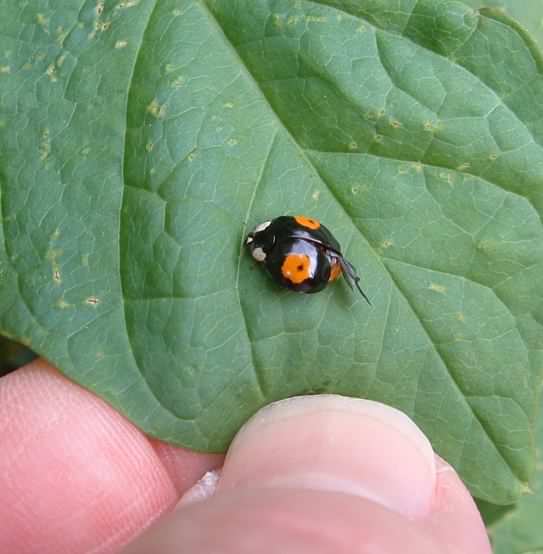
point(351, 276)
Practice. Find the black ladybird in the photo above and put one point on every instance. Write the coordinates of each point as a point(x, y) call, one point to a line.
point(301, 254)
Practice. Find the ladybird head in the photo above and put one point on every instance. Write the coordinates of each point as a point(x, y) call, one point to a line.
point(260, 241)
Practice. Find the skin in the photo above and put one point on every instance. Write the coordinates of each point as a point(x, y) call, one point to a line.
point(319, 474)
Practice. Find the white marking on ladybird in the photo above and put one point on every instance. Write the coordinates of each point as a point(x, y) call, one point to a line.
point(262, 226)
point(248, 240)
point(258, 254)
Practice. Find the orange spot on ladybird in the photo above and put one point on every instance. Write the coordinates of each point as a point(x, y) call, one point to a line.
point(308, 222)
point(335, 271)
point(295, 268)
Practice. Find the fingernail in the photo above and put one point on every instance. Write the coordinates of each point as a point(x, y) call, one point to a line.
point(203, 489)
point(335, 443)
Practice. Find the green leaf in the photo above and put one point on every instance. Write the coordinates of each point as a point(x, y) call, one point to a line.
point(520, 532)
point(492, 513)
point(528, 12)
point(140, 139)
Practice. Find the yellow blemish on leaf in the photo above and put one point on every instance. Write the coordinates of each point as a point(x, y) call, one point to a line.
point(51, 73)
point(232, 141)
point(395, 123)
point(418, 167)
point(103, 26)
point(121, 44)
point(278, 20)
point(387, 243)
point(192, 156)
point(228, 105)
point(149, 146)
point(316, 195)
point(526, 489)
point(62, 304)
point(493, 157)
point(378, 138)
point(460, 316)
point(316, 18)
point(43, 22)
point(486, 246)
point(92, 301)
point(353, 145)
point(361, 29)
point(446, 176)
point(177, 12)
point(45, 145)
point(85, 260)
point(5, 69)
point(61, 59)
point(127, 4)
point(437, 288)
point(52, 256)
point(157, 110)
point(27, 66)
point(178, 83)
point(61, 35)
point(99, 9)
point(464, 167)
point(431, 126)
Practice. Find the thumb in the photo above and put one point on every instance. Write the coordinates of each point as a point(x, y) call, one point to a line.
point(327, 474)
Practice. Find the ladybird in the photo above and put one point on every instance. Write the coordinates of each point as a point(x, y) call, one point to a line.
point(301, 254)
